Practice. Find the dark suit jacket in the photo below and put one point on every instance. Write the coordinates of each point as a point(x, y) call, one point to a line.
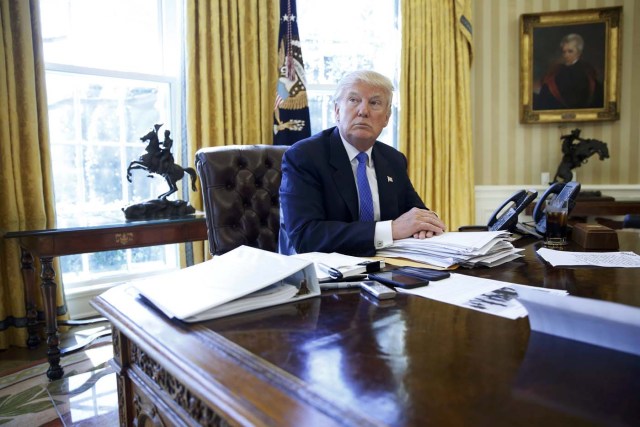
point(319, 198)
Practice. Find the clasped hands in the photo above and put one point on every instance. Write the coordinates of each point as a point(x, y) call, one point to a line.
point(419, 223)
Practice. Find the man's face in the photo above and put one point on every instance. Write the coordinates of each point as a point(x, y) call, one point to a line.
point(362, 113)
point(570, 53)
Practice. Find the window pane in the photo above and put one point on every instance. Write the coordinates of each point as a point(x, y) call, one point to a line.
point(112, 72)
point(96, 124)
point(115, 34)
point(364, 35)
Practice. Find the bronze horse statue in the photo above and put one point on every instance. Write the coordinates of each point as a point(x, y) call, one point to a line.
point(575, 155)
point(159, 160)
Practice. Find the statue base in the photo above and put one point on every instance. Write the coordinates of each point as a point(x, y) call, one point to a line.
point(158, 208)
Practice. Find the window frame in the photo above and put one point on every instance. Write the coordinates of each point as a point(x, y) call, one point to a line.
point(80, 287)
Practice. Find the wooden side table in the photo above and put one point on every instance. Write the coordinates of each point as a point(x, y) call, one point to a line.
point(87, 235)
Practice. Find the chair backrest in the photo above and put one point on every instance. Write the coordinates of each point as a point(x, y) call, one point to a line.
point(240, 186)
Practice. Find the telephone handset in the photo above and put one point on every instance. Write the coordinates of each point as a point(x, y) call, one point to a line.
point(562, 191)
point(509, 218)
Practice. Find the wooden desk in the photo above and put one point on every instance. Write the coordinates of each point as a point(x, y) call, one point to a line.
point(344, 359)
point(87, 235)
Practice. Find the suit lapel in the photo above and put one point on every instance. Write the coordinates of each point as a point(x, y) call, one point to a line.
point(343, 174)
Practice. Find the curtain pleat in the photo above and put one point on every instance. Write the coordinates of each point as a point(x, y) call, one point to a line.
point(435, 122)
point(231, 76)
point(26, 180)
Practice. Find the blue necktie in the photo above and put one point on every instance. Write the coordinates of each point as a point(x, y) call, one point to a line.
point(366, 200)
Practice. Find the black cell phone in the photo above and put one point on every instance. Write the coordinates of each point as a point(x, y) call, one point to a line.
point(398, 280)
point(424, 273)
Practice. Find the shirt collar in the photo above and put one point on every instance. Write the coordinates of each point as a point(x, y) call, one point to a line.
point(352, 151)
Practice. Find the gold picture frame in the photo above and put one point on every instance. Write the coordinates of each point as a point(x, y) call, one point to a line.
point(570, 65)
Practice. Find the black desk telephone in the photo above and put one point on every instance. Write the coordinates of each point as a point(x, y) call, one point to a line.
point(502, 219)
point(506, 216)
point(562, 191)
point(509, 219)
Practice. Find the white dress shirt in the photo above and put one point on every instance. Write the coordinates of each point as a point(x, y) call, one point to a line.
point(383, 235)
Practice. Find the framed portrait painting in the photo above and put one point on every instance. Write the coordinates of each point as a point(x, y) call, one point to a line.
point(570, 66)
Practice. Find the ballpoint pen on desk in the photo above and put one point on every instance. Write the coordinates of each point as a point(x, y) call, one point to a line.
point(334, 273)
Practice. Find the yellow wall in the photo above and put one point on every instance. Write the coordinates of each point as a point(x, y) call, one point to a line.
point(510, 153)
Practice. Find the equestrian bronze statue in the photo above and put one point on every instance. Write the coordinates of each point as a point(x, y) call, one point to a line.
point(158, 160)
point(575, 152)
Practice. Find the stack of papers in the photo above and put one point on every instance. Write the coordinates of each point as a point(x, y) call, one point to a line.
point(469, 249)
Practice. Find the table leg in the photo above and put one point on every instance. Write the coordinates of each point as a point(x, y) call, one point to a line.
point(28, 276)
point(55, 371)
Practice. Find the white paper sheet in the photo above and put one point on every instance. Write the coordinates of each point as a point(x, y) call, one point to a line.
point(602, 323)
point(486, 295)
point(598, 259)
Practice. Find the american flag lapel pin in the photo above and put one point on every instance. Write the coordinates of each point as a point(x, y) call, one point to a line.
point(389, 179)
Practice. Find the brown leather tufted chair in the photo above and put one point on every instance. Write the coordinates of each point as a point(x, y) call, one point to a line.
point(240, 185)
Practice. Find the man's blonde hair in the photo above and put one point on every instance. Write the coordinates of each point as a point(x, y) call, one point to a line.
point(369, 77)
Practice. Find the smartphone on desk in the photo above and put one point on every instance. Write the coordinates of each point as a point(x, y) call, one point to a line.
point(427, 274)
point(398, 280)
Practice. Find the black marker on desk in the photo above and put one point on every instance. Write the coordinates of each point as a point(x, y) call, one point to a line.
point(354, 278)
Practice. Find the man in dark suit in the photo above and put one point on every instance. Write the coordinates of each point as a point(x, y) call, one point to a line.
point(326, 204)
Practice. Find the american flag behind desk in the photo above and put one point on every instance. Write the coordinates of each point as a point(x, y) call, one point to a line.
point(291, 121)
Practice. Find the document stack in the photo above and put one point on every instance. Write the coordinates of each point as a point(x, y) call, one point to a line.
point(467, 249)
point(240, 280)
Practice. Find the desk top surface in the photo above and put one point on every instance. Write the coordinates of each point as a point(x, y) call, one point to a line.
point(104, 220)
point(407, 361)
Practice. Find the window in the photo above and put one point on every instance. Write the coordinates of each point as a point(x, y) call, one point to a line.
point(362, 34)
point(113, 72)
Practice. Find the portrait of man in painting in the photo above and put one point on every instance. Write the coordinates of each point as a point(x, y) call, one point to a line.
point(568, 66)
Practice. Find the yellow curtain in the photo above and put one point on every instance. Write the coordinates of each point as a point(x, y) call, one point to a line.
point(26, 183)
point(435, 114)
point(231, 76)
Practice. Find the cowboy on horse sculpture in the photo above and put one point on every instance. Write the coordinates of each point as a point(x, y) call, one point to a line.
point(575, 155)
point(159, 160)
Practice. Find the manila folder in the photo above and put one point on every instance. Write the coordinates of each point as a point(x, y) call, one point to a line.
point(243, 279)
